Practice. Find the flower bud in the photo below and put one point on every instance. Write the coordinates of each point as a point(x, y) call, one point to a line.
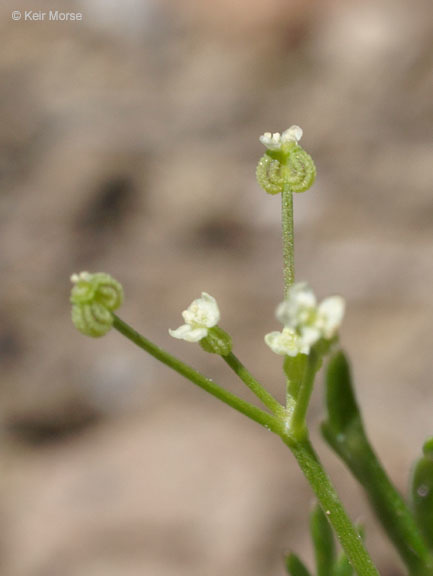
point(94, 297)
point(217, 341)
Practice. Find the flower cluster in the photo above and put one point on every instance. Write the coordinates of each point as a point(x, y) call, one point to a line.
point(305, 321)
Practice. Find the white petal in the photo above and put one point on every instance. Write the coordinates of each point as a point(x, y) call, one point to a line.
point(330, 316)
point(310, 335)
point(286, 342)
point(292, 134)
point(284, 313)
point(265, 138)
point(203, 312)
point(302, 294)
point(271, 141)
point(304, 347)
point(274, 341)
point(298, 306)
point(185, 332)
point(85, 276)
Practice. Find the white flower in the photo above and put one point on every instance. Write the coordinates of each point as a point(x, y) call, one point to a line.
point(299, 307)
point(276, 140)
point(312, 321)
point(286, 342)
point(200, 315)
point(330, 315)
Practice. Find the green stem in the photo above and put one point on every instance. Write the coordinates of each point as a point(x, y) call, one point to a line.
point(349, 538)
point(288, 238)
point(297, 423)
point(268, 400)
point(252, 412)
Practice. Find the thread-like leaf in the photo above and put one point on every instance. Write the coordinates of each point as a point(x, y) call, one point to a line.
point(295, 566)
point(323, 542)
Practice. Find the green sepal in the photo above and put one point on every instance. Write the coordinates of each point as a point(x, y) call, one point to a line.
point(323, 542)
point(422, 492)
point(295, 566)
point(294, 368)
point(217, 341)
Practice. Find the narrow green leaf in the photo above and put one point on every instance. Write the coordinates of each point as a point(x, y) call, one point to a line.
point(295, 566)
point(422, 492)
point(344, 432)
point(323, 542)
point(428, 448)
point(340, 398)
point(342, 566)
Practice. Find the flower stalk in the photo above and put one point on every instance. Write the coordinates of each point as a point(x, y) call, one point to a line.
point(252, 412)
point(287, 227)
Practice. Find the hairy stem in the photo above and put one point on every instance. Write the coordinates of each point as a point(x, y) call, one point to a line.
point(288, 239)
point(348, 537)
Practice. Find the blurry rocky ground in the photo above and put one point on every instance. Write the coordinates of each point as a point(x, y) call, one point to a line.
point(128, 144)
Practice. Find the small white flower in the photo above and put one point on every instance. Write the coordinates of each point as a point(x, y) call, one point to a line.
point(312, 321)
point(200, 315)
point(330, 315)
point(299, 307)
point(287, 342)
point(276, 140)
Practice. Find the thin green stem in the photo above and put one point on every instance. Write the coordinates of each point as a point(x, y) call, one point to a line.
point(301, 448)
point(268, 400)
point(288, 238)
point(297, 423)
point(263, 418)
point(349, 538)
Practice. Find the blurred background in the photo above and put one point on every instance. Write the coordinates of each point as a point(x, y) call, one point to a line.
point(128, 144)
